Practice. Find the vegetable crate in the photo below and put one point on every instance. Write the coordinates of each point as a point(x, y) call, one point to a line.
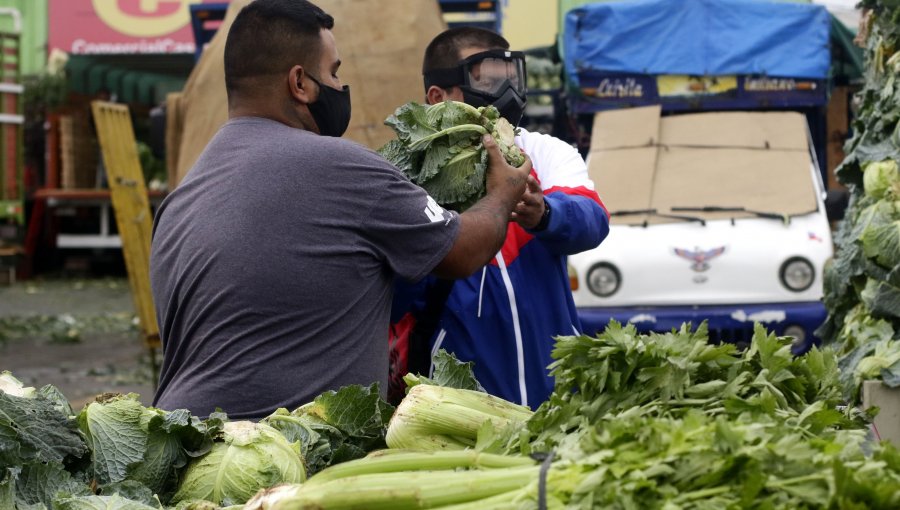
point(887, 399)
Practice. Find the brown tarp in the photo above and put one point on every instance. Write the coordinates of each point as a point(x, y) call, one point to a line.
point(380, 44)
point(756, 160)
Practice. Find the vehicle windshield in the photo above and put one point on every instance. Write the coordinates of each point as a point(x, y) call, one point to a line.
point(719, 165)
point(772, 215)
point(654, 212)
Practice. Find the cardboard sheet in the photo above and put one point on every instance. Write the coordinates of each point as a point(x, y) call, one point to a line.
point(632, 127)
point(775, 130)
point(381, 45)
point(773, 181)
point(624, 180)
point(755, 160)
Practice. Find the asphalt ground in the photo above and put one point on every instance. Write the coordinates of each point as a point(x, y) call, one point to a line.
point(79, 335)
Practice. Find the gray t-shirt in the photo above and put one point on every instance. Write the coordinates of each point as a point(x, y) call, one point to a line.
point(272, 266)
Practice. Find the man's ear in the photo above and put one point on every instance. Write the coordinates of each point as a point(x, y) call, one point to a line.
point(296, 86)
point(435, 95)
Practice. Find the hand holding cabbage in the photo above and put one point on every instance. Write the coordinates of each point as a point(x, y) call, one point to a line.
point(440, 148)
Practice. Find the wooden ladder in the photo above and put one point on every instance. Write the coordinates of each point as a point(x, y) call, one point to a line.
point(132, 207)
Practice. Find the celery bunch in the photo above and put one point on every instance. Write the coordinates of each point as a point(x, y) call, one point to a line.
point(404, 479)
point(442, 418)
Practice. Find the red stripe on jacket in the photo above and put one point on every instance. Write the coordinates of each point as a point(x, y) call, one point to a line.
point(580, 190)
point(517, 237)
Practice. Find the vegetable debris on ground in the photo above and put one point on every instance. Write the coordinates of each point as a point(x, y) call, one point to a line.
point(439, 147)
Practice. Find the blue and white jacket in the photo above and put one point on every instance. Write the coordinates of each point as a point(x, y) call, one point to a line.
point(504, 317)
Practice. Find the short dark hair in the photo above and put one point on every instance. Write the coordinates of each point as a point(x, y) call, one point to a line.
point(443, 51)
point(267, 33)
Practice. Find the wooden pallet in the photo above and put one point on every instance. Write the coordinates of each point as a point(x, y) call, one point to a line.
point(132, 207)
point(77, 152)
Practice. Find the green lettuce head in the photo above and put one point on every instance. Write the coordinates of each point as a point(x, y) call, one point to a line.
point(253, 456)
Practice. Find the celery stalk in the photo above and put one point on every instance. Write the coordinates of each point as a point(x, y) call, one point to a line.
point(406, 490)
point(511, 500)
point(421, 461)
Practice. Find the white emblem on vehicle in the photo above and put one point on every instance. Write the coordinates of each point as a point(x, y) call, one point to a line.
point(700, 258)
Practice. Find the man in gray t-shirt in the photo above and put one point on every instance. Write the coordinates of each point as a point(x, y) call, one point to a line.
point(272, 263)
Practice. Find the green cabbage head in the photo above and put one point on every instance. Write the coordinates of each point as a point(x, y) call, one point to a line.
point(881, 179)
point(253, 456)
point(12, 386)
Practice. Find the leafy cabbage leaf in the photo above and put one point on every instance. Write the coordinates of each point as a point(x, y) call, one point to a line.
point(36, 430)
point(145, 445)
point(337, 426)
point(439, 148)
point(250, 456)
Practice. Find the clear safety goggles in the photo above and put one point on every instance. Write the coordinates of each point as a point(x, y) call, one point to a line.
point(489, 72)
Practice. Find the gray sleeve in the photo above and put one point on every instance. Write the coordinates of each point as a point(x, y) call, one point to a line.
point(411, 231)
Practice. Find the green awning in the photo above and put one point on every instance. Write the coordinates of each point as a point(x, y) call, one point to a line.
point(144, 79)
point(846, 57)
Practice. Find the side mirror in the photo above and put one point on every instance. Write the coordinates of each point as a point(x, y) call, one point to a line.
point(836, 202)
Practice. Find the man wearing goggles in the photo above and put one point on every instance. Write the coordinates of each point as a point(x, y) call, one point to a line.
point(492, 77)
point(505, 316)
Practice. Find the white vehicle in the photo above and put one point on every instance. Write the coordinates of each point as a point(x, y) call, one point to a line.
point(716, 216)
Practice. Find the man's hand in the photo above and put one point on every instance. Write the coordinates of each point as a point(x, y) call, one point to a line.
point(530, 209)
point(482, 228)
point(503, 179)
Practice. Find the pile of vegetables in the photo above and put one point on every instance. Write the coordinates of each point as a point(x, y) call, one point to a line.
point(635, 421)
point(862, 286)
point(439, 147)
point(543, 74)
point(117, 454)
point(657, 421)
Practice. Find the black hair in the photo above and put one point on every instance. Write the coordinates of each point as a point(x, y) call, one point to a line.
point(443, 51)
point(269, 36)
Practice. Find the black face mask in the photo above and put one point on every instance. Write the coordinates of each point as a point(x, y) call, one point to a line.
point(331, 111)
point(509, 103)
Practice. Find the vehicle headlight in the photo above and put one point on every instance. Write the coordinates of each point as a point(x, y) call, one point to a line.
point(797, 274)
point(573, 277)
point(798, 336)
point(603, 279)
point(797, 332)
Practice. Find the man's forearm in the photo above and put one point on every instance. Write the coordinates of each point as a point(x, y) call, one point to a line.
point(482, 231)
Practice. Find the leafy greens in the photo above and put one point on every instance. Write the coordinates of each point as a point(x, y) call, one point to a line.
point(439, 148)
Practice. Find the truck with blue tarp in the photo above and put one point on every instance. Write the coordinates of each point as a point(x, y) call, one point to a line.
point(706, 127)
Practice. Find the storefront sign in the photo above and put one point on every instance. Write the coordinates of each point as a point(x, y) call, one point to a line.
point(122, 26)
point(600, 91)
point(676, 85)
point(618, 87)
point(764, 84)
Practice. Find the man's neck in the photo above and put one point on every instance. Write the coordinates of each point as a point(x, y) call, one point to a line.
point(234, 113)
point(264, 108)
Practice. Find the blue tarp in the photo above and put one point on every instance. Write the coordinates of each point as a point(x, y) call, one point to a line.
point(698, 37)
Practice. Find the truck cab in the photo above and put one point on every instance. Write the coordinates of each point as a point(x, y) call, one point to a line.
point(715, 216)
point(706, 127)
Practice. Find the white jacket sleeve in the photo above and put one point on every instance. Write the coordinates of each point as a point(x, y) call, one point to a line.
point(556, 163)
